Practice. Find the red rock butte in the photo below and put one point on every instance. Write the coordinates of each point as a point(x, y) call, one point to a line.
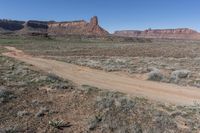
point(77, 27)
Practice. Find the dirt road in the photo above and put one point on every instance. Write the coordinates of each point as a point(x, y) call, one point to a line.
point(117, 82)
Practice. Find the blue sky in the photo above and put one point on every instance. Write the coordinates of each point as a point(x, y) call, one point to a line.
point(113, 14)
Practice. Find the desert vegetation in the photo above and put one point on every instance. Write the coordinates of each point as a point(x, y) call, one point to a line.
point(34, 101)
point(134, 56)
point(95, 74)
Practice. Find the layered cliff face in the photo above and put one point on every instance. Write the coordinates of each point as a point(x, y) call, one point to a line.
point(77, 27)
point(11, 25)
point(34, 28)
point(181, 33)
point(53, 28)
point(37, 24)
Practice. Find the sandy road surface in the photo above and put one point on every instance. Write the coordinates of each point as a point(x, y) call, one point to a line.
point(106, 80)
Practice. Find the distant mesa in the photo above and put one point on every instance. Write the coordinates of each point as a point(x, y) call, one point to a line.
point(80, 27)
point(11, 25)
point(180, 33)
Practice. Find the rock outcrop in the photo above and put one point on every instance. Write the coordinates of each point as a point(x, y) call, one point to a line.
point(181, 33)
point(33, 27)
point(77, 27)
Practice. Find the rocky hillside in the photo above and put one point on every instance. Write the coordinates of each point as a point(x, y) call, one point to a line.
point(181, 33)
point(53, 28)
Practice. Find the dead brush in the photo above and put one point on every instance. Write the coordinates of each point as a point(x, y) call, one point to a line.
point(59, 124)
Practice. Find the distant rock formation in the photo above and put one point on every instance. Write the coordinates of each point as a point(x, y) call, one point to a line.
point(33, 27)
point(77, 27)
point(181, 33)
point(37, 24)
point(11, 25)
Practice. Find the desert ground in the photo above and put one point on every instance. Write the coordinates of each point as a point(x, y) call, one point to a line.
point(86, 85)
